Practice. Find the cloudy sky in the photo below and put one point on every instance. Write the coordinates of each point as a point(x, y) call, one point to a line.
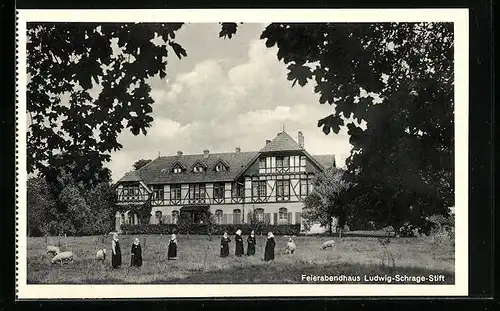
point(227, 93)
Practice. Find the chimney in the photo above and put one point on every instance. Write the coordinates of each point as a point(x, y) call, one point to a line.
point(301, 139)
point(179, 153)
point(267, 141)
point(238, 149)
point(206, 152)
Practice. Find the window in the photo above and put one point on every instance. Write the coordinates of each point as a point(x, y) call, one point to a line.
point(177, 169)
point(302, 164)
point(262, 163)
point(175, 192)
point(157, 192)
point(282, 190)
point(259, 189)
point(123, 218)
point(197, 193)
point(175, 217)
point(282, 164)
point(218, 217)
point(236, 216)
point(238, 190)
point(259, 214)
point(219, 191)
point(304, 187)
point(198, 169)
point(158, 215)
point(131, 218)
point(220, 167)
point(262, 189)
point(130, 192)
point(283, 215)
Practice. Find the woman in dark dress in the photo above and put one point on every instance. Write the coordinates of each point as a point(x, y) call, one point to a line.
point(224, 245)
point(172, 248)
point(238, 239)
point(136, 257)
point(116, 253)
point(270, 244)
point(251, 244)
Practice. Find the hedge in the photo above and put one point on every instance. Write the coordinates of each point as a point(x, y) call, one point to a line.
point(216, 229)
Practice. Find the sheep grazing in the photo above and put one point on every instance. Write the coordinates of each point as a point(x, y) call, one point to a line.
point(63, 257)
point(290, 247)
point(101, 255)
point(53, 250)
point(327, 244)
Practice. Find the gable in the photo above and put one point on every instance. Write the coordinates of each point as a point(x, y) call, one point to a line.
point(282, 142)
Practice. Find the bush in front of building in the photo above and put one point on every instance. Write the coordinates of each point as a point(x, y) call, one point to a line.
point(259, 228)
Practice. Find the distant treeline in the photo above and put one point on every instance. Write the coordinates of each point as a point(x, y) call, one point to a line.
point(68, 207)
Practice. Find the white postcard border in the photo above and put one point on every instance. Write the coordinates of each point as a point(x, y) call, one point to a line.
point(461, 33)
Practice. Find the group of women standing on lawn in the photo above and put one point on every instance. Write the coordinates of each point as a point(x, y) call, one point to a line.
point(136, 251)
point(239, 251)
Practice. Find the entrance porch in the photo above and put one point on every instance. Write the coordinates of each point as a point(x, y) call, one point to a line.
point(195, 213)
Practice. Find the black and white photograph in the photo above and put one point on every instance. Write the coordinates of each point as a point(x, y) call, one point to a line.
point(242, 153)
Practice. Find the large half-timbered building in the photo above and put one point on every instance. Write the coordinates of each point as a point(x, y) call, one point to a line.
point(268, 185)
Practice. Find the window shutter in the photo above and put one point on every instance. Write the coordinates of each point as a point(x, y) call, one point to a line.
point(267, 218)
point(168, 219)
point(298, 219)
point(224, 219)
point(289, 218)
point(275, 218)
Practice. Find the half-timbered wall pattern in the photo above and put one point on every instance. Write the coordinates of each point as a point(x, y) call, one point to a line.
point(271, 190)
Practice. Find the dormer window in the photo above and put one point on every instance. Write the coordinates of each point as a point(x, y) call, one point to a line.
point(177, 170)
point(220, 167)
point(198, 169)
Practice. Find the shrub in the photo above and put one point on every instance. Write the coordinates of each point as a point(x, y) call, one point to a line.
point(194, 228)
point(442, 228)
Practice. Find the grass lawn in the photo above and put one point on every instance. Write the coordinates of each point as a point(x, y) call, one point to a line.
point(352, 256)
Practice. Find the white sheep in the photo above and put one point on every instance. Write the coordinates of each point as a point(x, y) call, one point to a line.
point(62, 257)
point(327, 244)
point(53, 250)
point(290, 247)
point(101, 255)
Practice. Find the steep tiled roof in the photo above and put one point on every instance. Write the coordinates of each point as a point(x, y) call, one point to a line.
point(325, 159)
point(282, 142)
point(130, 176)
point(159, 170)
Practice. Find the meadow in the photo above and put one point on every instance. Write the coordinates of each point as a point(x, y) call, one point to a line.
point(199, 261)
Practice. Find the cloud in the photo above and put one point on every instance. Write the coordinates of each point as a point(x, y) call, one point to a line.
point(227, 102)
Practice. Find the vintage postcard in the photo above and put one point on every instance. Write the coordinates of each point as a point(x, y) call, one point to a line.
point(242, 153)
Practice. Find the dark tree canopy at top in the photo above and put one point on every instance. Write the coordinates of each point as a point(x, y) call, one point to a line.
point(403, 154)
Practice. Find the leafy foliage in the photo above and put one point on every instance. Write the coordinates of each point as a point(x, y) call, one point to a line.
point(69, 208)
point(327, 198)
point(228, 30)
point(194, 228)
point(87, 83)
point(391, 85)
point(404, 154)
point(140, 163)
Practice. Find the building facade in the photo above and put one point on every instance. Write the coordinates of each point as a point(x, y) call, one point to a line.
point(267, 185)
